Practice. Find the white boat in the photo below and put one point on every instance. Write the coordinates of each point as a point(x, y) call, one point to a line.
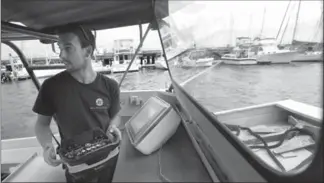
point(196, 58)
point(277, 57)
point(266, 50)
point(18, 70)
point(47, 73)
point(121, 68)
point(97, 66)
point(158, 64)
point(309, 57)
point(231, 59)
point(21, 72)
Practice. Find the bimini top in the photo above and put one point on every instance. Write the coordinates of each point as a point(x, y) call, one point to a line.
point(45, 16)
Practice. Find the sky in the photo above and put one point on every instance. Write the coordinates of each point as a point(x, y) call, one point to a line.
point(209, 23)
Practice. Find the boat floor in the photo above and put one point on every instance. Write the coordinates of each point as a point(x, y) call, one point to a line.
point(179, 162)
point(36, 170)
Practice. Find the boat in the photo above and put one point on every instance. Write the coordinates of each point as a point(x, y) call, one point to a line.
point(151, 59)
point(196, 58)
point(232, 59)
point(16, 69)
point(121, 68)
point(316, 56)
point(123, 53)
point(98, 67)
point(158, 64)
point(203, 140)
point(60, 67)
point(268, 51)
point(241, 54)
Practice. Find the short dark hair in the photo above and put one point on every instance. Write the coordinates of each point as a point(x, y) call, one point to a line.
point(83, 33)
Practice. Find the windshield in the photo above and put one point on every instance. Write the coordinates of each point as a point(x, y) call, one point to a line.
point(233, 78)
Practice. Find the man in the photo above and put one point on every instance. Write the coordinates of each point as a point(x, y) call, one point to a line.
point(79, 98)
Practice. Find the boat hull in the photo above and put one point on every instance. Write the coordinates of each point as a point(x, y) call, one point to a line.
point(239, 61)
point(158, 65)
point(277, 58)
point(206, 62)
point(312, 57)
point(121, 68)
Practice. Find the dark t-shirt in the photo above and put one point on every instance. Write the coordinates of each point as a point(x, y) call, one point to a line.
point(78, 107)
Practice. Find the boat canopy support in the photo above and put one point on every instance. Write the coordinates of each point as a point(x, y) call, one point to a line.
point(142, 39)
point(136, 53)
point(163, 50)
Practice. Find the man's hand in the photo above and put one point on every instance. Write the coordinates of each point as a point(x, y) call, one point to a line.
point(113, 129)
point(50, 156)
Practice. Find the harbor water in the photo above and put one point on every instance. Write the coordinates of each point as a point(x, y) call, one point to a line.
point(222, 87)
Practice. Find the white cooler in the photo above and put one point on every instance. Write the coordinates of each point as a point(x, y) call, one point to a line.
point(152, 125)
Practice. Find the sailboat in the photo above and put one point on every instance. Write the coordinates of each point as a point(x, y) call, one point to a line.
point(272, 54)
point(314, 52)
point(241, 54)
point(267, 50)
point(204, 146)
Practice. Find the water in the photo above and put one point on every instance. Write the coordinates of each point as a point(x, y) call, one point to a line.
point(223, 87)
point(227, 87)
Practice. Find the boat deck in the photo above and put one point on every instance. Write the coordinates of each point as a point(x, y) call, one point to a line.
point(179, 162)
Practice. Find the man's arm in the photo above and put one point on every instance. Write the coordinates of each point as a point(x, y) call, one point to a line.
point(115, 104)
point(45, 109)
point(43, 130)
point(114, 110)
point(116, 121)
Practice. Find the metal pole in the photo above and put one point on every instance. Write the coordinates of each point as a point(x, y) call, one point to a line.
point(283, 19)
point(136, 52)
point(140, 31)
point(295, 29)
point(24, 61)
point(164, 54)
point(264, 12)
point(284, 31)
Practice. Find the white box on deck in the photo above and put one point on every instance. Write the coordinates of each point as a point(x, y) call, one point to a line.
point(152, 125)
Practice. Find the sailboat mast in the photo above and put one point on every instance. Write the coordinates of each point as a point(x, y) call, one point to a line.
point(264, 12)
point(231, 30)
point(284, 31)
point(283, 20)
point(250, 24)
point(295, 29)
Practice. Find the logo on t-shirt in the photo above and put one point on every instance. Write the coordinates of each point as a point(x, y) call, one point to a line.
point(99, 102)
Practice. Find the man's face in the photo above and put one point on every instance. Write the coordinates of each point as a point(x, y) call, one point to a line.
point(71, 52)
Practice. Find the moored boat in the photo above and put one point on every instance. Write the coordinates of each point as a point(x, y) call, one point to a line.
point(309, 57)
point(233, 60)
